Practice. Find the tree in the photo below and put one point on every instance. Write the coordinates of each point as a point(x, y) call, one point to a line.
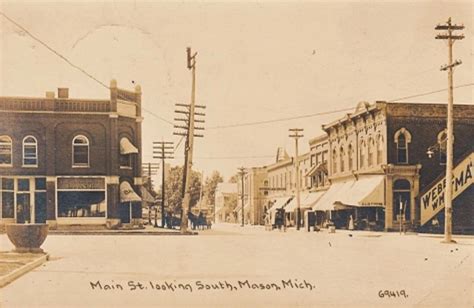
point(174, 188)
point(234, 178)
point(211, 185)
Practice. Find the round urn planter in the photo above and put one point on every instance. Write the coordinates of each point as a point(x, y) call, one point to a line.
point(27, 237)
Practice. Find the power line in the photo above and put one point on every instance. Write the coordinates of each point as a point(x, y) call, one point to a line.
point(65, 59)
point(281, 119)
point(431, 92)
point(54, 51)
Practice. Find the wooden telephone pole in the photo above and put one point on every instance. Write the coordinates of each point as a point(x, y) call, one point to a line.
point(242, 173)
point(296, 134)
point(189, 121)
point(162, 150)
point(448, 194)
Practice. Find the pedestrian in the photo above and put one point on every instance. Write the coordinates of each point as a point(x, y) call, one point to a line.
point(351, 223)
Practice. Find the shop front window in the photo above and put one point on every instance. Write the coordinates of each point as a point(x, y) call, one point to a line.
point(81, 204)
point(7, 195)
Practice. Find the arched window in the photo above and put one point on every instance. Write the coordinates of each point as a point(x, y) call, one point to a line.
point(5, 151)
point(362, 154)
point(350, 157)
point(370, 151)
point(341, 158)
point(30, 151)
point(334, 161)
point(402, 139)
point(379, 149)
point(442, 142)
point(80, 151)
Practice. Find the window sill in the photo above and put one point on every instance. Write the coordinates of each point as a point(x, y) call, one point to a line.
point(29, 166)
point(79, 166)
point(125, 168)
point(6, 166)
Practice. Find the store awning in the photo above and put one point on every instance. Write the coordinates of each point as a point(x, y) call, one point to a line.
point(127, 194)
point(279, 203)
point(312, 198)
point(326, 203)
point(146, 196)
point(292, 205)
point(367, 191)
point(126, 147)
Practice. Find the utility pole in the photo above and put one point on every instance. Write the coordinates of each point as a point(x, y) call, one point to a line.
point(162, 150)
point(151, 169)
point(448, 194)
point(189, 128)
point(295, 133)
point(242, 174)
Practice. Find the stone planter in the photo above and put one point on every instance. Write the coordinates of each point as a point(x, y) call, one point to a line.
point(27, 237)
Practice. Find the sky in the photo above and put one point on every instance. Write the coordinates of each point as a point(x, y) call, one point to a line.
point(256, 61)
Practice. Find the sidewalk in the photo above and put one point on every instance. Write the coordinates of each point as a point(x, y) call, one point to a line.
point(13, 265)
point(148, 230)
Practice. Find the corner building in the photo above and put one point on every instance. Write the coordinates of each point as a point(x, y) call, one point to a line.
point(66, 161)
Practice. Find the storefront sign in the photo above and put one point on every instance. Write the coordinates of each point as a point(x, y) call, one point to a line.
point(81, 183)
point(432, 202)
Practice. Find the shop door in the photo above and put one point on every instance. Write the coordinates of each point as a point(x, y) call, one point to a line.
point(125, 212)
point(23, 208)
point(40, 207)
point(401, 200)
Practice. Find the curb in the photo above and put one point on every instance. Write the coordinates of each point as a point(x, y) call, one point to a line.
point(119, 233)
point(10, 277)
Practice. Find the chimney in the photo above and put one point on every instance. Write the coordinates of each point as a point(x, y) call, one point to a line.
point(49, 94)
point(63, 93)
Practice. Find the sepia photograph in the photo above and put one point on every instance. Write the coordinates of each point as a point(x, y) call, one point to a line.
point(245, 153)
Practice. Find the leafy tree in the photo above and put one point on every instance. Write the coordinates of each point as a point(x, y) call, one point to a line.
point(174, 188)
point(211, 185)
point(234, 178)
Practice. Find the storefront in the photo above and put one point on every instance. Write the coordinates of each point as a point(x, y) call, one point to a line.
point(362, 198)
point(81, 200)
point(23, 199)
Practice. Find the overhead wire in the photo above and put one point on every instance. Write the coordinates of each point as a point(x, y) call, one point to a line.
point(89, 75)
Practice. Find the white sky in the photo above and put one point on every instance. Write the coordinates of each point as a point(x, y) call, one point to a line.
point(256, 61)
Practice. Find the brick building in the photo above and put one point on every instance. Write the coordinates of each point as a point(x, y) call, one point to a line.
point(379, 167)
point(70, 161)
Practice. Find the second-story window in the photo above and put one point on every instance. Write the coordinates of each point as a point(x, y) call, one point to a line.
point(362, 154)
point(334, 161)
point(341, 158)
point(442, 142)
point(30, 151)
point(402, 139)
point(379, 149)
point(370, 151)
point(127, 149)
point(80, 151)
point(350, 156)
point(5, 151)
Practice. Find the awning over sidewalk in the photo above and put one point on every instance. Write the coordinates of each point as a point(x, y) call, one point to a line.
point(367, 191)
point(146, 196)
point(126, 147)
point(127, 194)
point(292, 205)
point(279, 203)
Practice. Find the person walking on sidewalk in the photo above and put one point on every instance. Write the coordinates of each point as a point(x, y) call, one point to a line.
point(351, 223)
